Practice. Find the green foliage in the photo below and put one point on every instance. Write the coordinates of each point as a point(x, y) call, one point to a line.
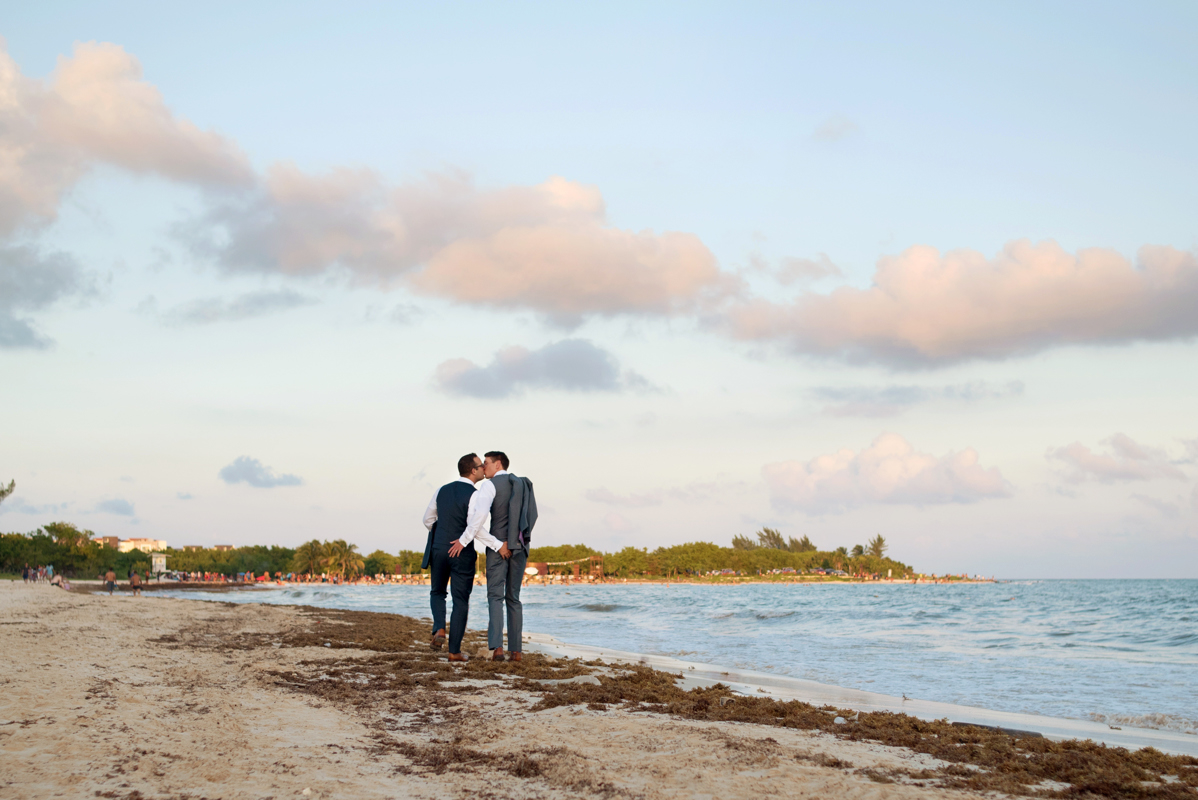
point(6, 491)
point(803, 545)
point(407, 562)
point(743, 543)
point(877, 546)
point(628, 562)
point(255, 558)
point(73, 553)
point(379, 562)
point(308, 558)
point(561, 552)
point(768, 537)
point(343, 559)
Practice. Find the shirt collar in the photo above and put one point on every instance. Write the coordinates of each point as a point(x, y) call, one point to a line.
point(501, 472)
point(466, 480)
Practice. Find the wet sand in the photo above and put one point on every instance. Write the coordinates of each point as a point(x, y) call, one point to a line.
point(140, 697)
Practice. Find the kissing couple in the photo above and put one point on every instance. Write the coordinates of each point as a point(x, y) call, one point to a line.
point(456, 518)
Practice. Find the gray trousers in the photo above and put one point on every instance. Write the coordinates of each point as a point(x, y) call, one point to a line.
point(504, 577)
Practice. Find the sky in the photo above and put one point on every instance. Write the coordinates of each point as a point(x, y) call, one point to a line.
point(925, 270)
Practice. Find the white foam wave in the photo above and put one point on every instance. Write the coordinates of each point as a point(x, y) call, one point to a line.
point(1156, 722)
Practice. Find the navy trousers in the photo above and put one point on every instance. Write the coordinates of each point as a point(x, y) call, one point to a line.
point(458, 573)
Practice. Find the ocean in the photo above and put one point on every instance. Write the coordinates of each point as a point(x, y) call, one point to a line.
point(1124, 652)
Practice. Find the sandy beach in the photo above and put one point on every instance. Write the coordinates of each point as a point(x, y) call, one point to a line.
point(142, 697)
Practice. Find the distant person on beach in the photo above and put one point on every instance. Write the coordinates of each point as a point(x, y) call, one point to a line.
point(25, 573)
point(110, 579)
point(135, 583)
point(508, 498)
point(450, 560)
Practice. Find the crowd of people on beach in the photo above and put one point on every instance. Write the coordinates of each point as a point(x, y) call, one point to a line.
point(46, 574)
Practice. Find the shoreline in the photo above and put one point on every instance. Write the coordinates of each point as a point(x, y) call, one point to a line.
point(750, 682)
point(782, 687)
point(127, 697)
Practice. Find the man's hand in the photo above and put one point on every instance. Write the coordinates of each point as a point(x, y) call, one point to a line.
point(456, 549)
point(503, 551)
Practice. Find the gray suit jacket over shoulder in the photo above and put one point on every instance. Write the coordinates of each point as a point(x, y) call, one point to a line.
point(514, 511)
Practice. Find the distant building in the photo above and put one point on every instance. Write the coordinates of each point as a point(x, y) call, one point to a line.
point(222, 547)
point(145, 545)
point(192, 547)
point(107, 541)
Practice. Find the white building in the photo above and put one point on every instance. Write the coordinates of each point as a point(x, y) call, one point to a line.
point(145, 545)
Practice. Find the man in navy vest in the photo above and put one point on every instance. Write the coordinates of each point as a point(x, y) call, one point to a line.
point(453, 509)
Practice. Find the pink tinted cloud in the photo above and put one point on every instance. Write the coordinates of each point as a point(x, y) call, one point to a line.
point(928, 308)
point(545, 248)
point(888, 471)
point(96, 108)
point(1126, 460)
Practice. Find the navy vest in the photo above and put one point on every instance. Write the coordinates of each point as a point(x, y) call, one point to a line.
point(453, 506)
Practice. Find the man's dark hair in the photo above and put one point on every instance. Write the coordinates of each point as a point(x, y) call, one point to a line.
point(500, 456)
point(466, 464)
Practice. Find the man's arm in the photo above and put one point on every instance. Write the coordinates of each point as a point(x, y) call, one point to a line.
point(430, 513)
point(476, 516)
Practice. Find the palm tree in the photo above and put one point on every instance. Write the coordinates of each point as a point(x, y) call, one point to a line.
point(343, 559)
point(6, 491)
point(803, 545)
point(309, 558)
point(770, 538)
point(877, 546)
point(858, 550)
point(840, 555)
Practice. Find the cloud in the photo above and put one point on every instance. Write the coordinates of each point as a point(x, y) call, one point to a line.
point(252, 471)
point(607, 497)
point(32, 281)
point(888, 471)
point(1194, 498)
point(835, 128)
point(1127, 460)
point(929, 309)
point(183, 495)
point(573, 365)
point(888, 401)
point(545, 248)
point(1166, 509)
point(17, 505)
point(205, 311)
point(802, 270)
point(115, 506)
point(95, 108)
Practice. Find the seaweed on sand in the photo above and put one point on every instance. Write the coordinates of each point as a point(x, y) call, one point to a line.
point(406, 676)
point(977, 758)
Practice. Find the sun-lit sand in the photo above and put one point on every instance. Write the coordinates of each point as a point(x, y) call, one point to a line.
point(112, 696)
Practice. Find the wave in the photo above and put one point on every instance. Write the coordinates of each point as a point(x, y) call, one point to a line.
point(600, 607)
point(1156, 722)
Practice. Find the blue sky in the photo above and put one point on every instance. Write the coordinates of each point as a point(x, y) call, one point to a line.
point(697, 269)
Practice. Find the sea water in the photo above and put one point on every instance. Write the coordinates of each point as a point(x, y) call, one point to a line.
point(1124, 652)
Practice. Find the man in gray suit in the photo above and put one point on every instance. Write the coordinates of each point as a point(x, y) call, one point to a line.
point(505, 567)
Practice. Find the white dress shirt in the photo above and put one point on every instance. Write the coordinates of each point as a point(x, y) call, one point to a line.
point(478, 513)
point(476, 527)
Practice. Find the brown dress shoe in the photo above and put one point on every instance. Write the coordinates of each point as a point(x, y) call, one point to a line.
point(515, 656)
point(498, 654)
point(438, 639)
point(458, 657)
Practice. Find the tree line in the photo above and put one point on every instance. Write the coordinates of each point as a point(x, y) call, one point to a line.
point(73, 553)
